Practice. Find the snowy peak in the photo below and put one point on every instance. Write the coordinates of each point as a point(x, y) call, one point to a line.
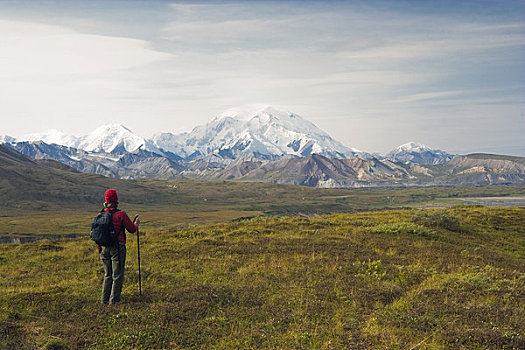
point(6, 139)
point(245, 112)
point(112, 138)
point(413, 152)
point(258, 117)
point(262, 132)
point(112, 128)
point(169, 142)
point(52, 136)
point(412, 147)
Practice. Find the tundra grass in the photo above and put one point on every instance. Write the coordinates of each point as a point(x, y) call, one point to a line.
point(67, 222)
point(85, 191)
point(197, 202)
point(405, 279)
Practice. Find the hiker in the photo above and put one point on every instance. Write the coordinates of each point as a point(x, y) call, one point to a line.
point(114, 256)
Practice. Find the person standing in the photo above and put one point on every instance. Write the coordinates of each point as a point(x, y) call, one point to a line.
point(114, 256)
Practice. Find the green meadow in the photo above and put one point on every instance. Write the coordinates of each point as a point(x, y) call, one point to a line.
point(389, 279)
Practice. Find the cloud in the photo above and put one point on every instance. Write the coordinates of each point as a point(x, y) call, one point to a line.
point(427, 96)
point(54, 77)
point(349, 29)
point(39, 50)
point(356, 68)
point(246, 33)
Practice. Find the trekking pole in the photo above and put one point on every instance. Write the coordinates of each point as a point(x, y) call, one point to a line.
point(138, 254)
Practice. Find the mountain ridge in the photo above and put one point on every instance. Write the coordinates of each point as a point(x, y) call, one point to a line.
point(314, 170)
point(262, 144)
point(260, 132)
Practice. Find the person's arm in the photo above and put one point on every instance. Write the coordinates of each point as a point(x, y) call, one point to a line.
point(130, 226)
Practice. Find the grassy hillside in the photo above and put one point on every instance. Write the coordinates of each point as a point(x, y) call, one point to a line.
point(425, 279)
point(30, 184)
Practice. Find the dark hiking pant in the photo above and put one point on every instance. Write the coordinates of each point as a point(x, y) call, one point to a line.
point(114, 259)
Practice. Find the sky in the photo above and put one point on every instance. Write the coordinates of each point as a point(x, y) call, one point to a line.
point(373, 74)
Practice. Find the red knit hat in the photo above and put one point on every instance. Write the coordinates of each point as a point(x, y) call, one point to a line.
point(111, 196)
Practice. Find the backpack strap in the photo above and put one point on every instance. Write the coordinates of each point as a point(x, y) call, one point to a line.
point(113, 210)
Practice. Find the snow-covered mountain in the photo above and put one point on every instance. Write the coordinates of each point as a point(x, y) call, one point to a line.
point(241, 133)
point(170, 143)
point(51, 136)
point(111, 138)
point(252, 133)
point(137, 164)
point(114, 138)
point(413, 152)
point(7, 139)
point(255, 133)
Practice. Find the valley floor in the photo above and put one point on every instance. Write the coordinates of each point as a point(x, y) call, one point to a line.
point(497, 201)
point(425, 279)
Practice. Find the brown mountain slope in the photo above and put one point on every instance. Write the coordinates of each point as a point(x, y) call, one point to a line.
point(320, 171)
point(27, 182)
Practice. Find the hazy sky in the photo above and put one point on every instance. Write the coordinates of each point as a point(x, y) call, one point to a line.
point(373, 74)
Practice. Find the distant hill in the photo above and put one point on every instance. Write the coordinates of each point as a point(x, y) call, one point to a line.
point(480, 169)
point(9, 156)
point(520, 160)
point(258, 143)
point(26, 182)
point(319, 171)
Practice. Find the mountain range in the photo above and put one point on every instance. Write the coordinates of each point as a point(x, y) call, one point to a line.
point(262, 144)
point(263, 133)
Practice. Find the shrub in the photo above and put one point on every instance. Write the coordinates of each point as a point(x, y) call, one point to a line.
point(439, 218)
point(402, 228)
point(56, 344)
